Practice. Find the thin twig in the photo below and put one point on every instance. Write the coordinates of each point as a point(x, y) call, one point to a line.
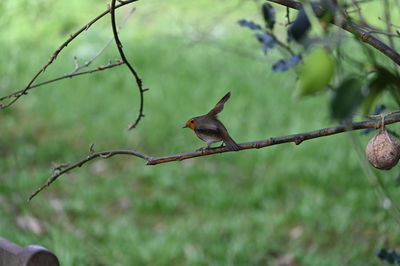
point(352, 28)
point(67, 167)
point(359, 12)
point(384, 33)
point(133, 71)
point(58, 50)
point(383, 115)
point(90, 61)
point(283, 45)
point(386, 13)
point(288, 16)
point(296, 138)
point(100, 68)
point(391, 24)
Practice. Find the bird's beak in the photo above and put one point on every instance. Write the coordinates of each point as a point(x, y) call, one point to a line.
point(185, 126)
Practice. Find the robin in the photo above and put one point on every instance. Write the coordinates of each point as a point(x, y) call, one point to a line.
point(209, 129)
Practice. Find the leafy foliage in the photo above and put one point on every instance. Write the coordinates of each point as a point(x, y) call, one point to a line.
point(268, 13)
point(249, 24)
point(318, 67)
point(285, 64)
point(389, 256)
point(298, 30)
point(363, 83)
point(347, 98)
point(316, 72)
point(382, 80)
point(267, 41)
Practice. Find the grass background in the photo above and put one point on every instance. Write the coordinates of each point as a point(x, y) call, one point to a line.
point(309, 204)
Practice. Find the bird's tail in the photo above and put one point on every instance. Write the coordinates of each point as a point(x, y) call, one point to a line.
point(220, 105)
point(231, 144)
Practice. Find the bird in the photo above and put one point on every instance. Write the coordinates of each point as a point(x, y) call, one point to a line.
point(209, 129)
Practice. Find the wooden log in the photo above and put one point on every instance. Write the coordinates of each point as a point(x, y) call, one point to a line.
point(33, 255)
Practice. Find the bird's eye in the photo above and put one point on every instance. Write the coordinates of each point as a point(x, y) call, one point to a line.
point(191, 121)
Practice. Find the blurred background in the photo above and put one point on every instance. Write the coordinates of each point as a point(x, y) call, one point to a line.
point(283, 205)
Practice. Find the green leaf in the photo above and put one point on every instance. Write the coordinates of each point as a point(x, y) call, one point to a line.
point(383, 80)
point(299, 28)
point(316, 72)
point(347, 98)
point(269, 15)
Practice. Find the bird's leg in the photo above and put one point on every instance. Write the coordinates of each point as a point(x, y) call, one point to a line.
point(202, 149)
point(205, 148)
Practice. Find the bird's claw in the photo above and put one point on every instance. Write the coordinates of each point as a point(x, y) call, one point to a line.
point(203, 149)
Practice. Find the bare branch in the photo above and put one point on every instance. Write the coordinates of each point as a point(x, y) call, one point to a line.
point(90, 61)
point(100, 68)
point(296, 138)
point(352, 28)
point(57, 51)
point(133, 71)
point(64, 168)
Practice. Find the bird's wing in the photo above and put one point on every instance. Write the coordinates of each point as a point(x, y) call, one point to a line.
point(208, 129)
point(220, 105)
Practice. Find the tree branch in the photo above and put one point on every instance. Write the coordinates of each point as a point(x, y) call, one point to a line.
point(100, 68)
point(352, 28)
point(133, 71)
point(90, 61)
point(296, 138)
point(57, 51)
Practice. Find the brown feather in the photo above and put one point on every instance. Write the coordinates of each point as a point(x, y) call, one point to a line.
point(209, 129)
point(230, 143)
point(220, 105)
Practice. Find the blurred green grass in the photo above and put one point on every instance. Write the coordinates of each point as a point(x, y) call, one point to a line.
point(311, 202)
